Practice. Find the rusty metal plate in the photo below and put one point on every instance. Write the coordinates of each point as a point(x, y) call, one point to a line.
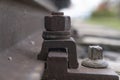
point(56, 69)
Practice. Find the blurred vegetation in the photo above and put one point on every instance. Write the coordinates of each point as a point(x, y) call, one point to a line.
point(106, 18)
point(104, 13)
point(106, 21)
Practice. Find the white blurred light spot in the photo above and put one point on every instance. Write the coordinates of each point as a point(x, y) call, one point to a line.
point(81, 8)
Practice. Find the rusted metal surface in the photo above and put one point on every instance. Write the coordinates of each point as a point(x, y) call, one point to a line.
point(57, 25)
point(17, 21)
point(20, 21)
point(57, 69)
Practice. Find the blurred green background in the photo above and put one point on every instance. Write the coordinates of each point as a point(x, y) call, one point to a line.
point(107, 14)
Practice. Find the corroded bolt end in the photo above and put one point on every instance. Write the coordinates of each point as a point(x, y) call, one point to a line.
point(95, 52)
point(95, 58)
point(57, 13)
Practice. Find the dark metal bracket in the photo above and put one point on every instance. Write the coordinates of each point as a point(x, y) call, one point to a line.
point(58, 37)
point(59, 52)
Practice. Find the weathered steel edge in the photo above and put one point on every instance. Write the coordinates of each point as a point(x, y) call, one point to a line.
point(46, 4)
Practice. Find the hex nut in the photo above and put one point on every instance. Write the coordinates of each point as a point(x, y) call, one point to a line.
point(57, 23)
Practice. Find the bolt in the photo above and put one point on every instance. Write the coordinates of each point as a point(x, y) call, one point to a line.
point(95, 52)
point(95, 58)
